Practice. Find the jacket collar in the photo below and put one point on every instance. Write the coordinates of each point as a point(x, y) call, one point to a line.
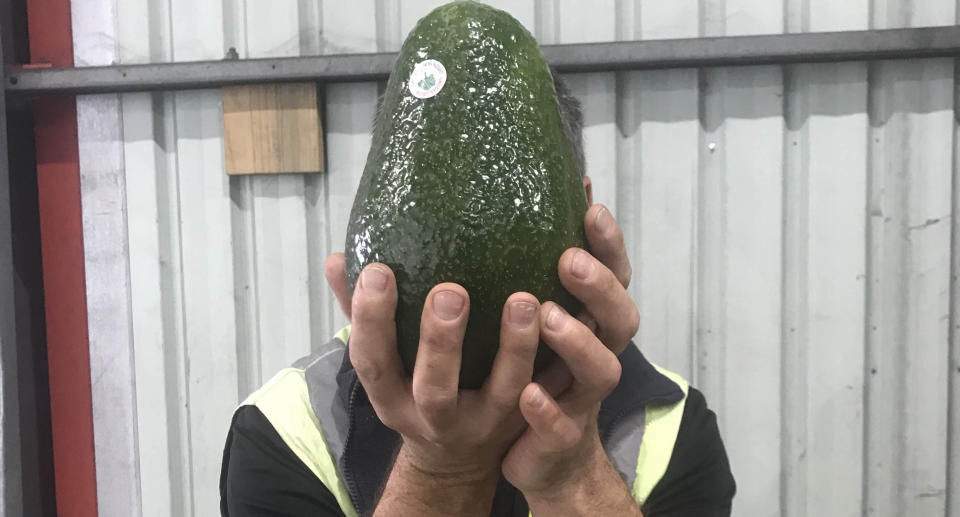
point(370, 446)
point(641, 384)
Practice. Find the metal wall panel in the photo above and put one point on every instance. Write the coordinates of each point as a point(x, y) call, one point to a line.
point(789, 227)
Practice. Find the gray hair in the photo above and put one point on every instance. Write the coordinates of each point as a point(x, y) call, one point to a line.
point(571, 114)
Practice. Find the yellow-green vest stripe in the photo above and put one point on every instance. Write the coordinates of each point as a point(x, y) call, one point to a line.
point(286, 404)
point(343, 335)
point(659, 436)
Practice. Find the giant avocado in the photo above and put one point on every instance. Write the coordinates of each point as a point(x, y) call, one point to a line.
point(470, 178)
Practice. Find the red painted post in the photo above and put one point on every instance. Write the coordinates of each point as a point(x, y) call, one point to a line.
point(61, 235)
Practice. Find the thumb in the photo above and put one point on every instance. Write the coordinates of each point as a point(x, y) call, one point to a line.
point(557, 431)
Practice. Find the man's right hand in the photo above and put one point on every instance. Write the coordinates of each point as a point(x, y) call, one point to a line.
point(453, 441)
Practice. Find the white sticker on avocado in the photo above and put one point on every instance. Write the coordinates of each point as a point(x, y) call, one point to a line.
point(427, 79)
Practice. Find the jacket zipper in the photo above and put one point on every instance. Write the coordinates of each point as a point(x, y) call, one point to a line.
point(348, 472)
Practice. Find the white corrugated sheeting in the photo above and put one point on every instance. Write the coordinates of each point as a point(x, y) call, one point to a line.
point(789, 227)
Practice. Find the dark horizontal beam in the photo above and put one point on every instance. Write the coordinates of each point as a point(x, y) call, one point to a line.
point(924, 42)
point(811, 47)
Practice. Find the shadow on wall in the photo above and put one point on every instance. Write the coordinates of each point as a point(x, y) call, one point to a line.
point(745, 92)
point(760, 92)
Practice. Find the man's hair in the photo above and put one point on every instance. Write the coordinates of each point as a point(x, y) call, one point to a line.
point(571, 116)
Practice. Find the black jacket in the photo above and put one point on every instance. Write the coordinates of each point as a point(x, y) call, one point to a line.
point(261, 476)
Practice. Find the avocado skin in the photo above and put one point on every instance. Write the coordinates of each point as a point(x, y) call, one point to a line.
point(477, 185)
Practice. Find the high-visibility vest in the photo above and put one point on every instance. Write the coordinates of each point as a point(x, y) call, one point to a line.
point(308, 428)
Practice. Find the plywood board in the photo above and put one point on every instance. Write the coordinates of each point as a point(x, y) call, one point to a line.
point(272, 128)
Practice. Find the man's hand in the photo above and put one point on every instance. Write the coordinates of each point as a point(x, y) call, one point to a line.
point(600, 280)
point(558, 463)
point(453, 441)
point(572, 464)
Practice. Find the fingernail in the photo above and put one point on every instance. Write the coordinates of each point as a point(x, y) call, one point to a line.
point(557, 319)
point(522, 314)
point(604, 220)
point(373, 279)
point(447, 305)
point(537, 400)
point(582, 265)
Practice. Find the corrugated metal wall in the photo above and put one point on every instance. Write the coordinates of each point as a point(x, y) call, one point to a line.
point(790, 230)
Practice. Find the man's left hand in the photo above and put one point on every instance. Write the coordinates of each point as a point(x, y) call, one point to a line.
point(559, 463)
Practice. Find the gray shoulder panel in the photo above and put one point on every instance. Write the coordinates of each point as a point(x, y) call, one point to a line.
point(323, 364)
point(320, 369)
point(623, 446)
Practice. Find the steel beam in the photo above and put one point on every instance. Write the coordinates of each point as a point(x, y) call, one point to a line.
point(912, 43)
point(10, 474)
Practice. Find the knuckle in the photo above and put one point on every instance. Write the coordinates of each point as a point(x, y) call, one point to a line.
point(366, 368)
point(435, 435)
point(512, 471)
point(389, 419)
point(608, 281)
point(436, 340)
point(619, 335)
point(519, 348)
point(515, 360)
point(627, 328)
point(611, 376)
point(365, 311)
point(503, 403)
point(633, 322)
point(627, 274)
point(616, 237)
point(433, 402)
point(580, 349)
point(567, 436)
point(486, 431)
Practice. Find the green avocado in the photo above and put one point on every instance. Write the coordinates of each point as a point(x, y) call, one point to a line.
point(469, 179)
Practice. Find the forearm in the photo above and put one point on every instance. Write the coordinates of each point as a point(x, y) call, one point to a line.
point(599, 491)
point(413, 492)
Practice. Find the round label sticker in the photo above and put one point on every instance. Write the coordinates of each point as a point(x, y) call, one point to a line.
point(427, 79)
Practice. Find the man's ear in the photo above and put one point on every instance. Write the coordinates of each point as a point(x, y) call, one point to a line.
point(335, 269)
point(588, 186)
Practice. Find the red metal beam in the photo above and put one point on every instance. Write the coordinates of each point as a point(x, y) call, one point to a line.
point(64, 283)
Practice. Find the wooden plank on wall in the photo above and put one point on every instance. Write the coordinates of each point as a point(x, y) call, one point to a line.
point(272, 128)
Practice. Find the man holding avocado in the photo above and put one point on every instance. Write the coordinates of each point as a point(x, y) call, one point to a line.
point(475, 138)
point(600, 432)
